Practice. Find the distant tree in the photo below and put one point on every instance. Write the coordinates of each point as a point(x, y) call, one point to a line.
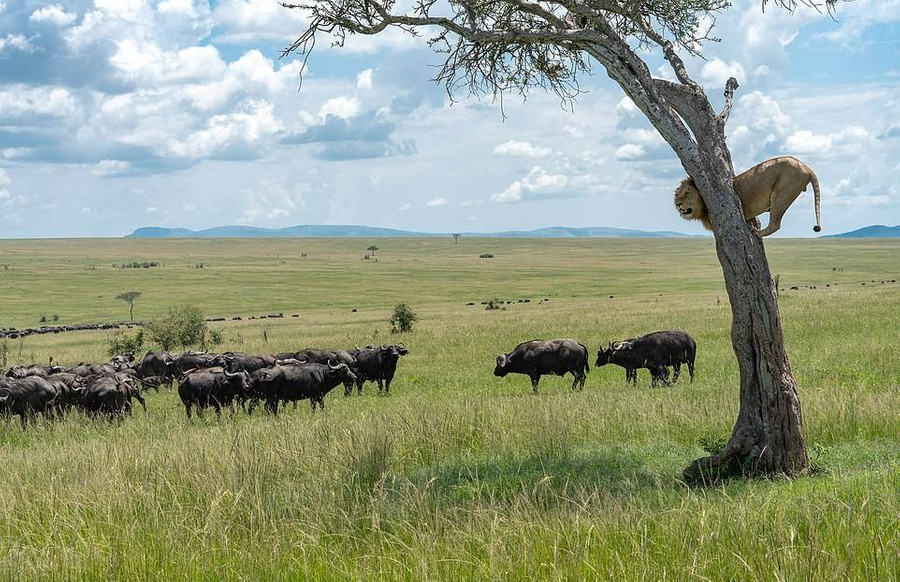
point(130, 297)
point(372, 249)
point(502, 46)
point(403, 318)
point(183, 326)
point(456, 238)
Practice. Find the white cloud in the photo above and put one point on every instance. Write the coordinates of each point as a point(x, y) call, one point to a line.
point(343, 107)
point(436, 202)
point(54, 14)
point(105, 168)
point(7, 198)
point(231, 132)
point(807, 142)
point(537, 185)
point(716, 72)
point(405, 207)
point(629, 151)
point(2, 6)
point(364, 79)
point(521, 149)
point(22, 101)
point(183, 7)
point(150, 66)
point(15, 42)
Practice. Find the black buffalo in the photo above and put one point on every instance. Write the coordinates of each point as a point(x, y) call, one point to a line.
point(214, 387)
point(26, 397)
point(109, 395)
point(655, 351)
point(68, 390)
point(538, 358)
point(237, 362)
point(155, 365)
point(290, 383)
point(377, 364)
point(85, 370)
point(315, 356)
point(33, 370)
point(192, 361)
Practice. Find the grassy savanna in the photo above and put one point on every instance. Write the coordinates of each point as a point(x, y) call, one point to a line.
point(458, 474)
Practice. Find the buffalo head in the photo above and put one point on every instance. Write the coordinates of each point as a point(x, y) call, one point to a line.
point(500, 370)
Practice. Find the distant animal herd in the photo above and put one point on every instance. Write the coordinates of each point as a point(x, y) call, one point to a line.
point(230, 379)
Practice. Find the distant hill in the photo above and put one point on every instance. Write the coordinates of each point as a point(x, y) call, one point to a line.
point(335, 230)
point(874, 231)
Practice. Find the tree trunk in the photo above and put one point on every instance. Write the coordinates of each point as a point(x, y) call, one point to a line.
point(131, 310)
point(768, 434)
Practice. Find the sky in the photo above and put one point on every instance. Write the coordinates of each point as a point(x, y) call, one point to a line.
point(118, 114)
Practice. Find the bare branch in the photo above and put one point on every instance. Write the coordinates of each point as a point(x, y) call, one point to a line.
point(730, 87)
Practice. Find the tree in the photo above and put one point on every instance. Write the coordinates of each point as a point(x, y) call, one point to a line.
point(183, 326)
point(403, 318)
point(130, 297)
point(456, 238)
point(372, 249)
point(502, 46)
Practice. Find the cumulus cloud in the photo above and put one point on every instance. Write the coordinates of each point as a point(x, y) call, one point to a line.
point(537, 185)
point(54, 14)
point(105, 168)
point(16, 42)
point(629, 151)
point(7, 198)
point(521, 149)
point(230, 135)
point(807, 142)
point(368, 135)
point(343, 107)
point(716, 72)
point(364, 79)
point(434, 202)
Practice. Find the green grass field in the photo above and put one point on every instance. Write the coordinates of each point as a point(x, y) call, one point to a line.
point(458, 474)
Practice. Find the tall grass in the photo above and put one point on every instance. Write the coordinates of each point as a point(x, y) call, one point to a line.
point(461, 475)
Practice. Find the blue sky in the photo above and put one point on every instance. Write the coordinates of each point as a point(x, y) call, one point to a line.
point(116, 114)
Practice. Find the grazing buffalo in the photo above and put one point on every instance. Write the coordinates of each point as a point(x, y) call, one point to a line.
point(85, 370)
point(122, 361)
point(214, 387)
point(155, 365)
point(109, 395)
point(20, 372)
point(68, 390)
point(314, 356)
point(654, 351)
point(290, 383)
point(538, 358)
point(237, 362)
point(377, 364)
point(191, 361)
point(26, 397)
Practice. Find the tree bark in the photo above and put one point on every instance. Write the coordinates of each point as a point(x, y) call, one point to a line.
point(768, 434)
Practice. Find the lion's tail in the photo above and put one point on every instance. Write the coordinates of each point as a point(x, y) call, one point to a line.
point(814, 180)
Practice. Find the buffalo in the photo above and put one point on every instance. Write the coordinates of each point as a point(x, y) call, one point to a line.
point(237, 362)
point(109, 395)
point(26, 397)
point(214, 387)
point(314, 356)
point(190, 361)
point(538, 358)
point(155, 365)
point(654, 351)
point(289, 383)
point(377, 364)
point(20, 372)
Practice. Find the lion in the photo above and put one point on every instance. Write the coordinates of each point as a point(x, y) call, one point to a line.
point(771, 186)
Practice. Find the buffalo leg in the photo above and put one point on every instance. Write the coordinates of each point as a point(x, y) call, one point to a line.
point(380, 383)
point(387, 385)
point(187, 409)
point(141, 400)
point(348, 388)
point(676, 371)
point(691, 369)
point(534, 383)
point(574, 380)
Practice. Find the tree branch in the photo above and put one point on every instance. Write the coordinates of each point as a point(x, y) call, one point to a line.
point(730, 87)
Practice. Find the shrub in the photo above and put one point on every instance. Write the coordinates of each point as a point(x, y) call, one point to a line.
point(403, 318)
point(183, 326)
point(121, 343)
point(4, 355)
point(494, 304)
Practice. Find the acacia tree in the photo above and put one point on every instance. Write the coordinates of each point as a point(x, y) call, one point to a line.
point(501, 46)
point(130, 297)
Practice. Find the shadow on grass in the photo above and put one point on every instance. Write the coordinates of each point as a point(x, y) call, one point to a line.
point(608, 473)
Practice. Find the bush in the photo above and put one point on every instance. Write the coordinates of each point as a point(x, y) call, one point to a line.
point(121, 343)
point(4, 355)
point(403, 319)
point(183, 326)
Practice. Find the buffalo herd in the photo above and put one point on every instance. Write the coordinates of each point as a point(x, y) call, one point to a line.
point(230, 379)
point(204, 380)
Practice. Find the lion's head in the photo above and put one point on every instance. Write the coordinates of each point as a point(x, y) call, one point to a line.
point(689, 203)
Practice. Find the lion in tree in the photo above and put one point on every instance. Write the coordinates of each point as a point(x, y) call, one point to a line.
point(771, 186)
